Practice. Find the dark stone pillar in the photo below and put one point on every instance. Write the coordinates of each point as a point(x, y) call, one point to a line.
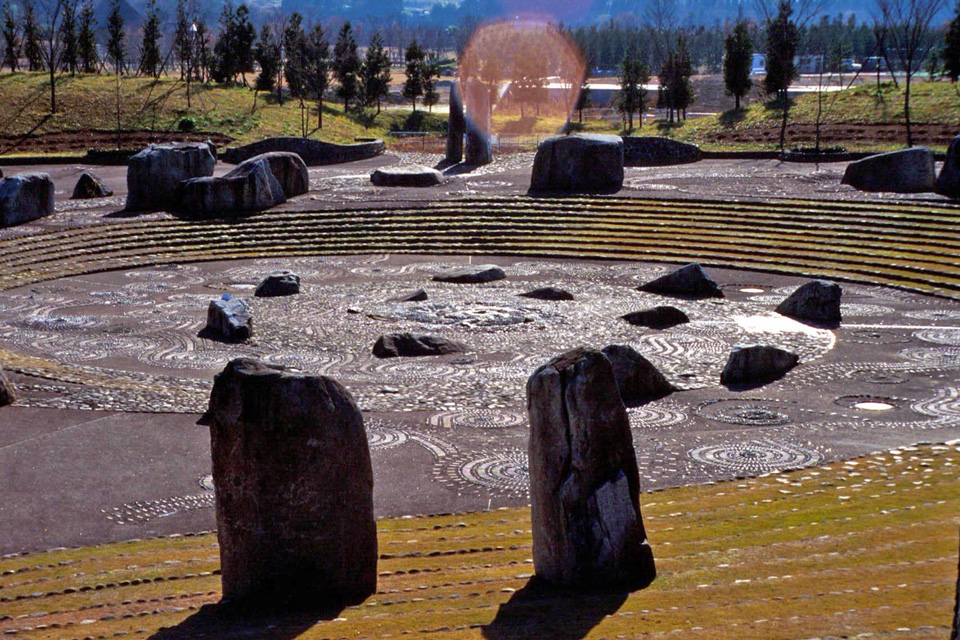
point(478, 150)
point(294, 488)
point(457, 127)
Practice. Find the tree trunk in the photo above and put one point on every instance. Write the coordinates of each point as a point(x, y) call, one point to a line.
point(53, 89)
point(906, 109)
point(737, 98)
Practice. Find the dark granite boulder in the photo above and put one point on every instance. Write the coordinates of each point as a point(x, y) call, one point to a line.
point(154, 175)
point(279, 283)
point(948, 182)
point(289, 170)
point(579, 163)
point(230, 319)
point(690, 281)
point(250, 187)
point(89, 185)
point(751, 365)
point(637, 378)
point(662, 317)
point(816, 302)
point(25, 197)
point(653, 151)
point(548, 293)
point(472, 275)
point(394, 345)
point(905, 171)
point(406, 176)
point(584, 483)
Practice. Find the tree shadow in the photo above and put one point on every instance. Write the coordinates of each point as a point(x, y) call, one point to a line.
point(241, 620)
point(541, 610)
point(731, 117)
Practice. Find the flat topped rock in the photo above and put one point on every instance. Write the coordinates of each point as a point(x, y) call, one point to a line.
point(547, 293)
point(690, 281)
point(816, 302)
point(662, 317)
point(230, 319)
point(472, 275)
point(757, 364)
point(7, 393)
point(89, 185)
point(417, 296)
point(406, 176)
point(279, 283)
point(578, 163)
point(154, 175)
point(906, 171)
point(637, 378)
point(395, 345)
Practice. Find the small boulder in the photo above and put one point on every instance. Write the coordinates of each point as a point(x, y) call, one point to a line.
point(906, 171)
point(689, 281)
point(288, 168)
point(7, 393)
point(472, 275)
point(279, 283)
point(25, 197)
point(948, 182)
point(417, 296)
point(637, 378)
point(662, 317)
point(394, 345)
point(816, 302)
point(548, 293)
point(248, 188)
point(230, 319)
point(757, 364)
point(154, 175)
point(579, 163)
point(584, 482)
point(406, 176)
point(88, 186)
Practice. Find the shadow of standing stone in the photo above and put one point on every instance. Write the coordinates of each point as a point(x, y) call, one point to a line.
point(294, 488)
point(584, 484)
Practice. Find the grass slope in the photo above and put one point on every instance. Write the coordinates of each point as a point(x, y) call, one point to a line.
point(867, 546)
point(90, 102)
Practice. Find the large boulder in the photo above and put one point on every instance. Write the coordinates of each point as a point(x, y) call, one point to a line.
point(25, 197)
point(472, 275)
point(88, 186)
point(948, 182)
point(662, 317)
point(250, 187)
point(690, 281)
point(584, 484)
point(406, 176)
point(750, 365)
point(288, 168)
point(547, 293)
point(816, 302)
point(398, 345)
point(579, 163)
point(654, 151)
point(7, 393)
point(279, 283)
point(905, 171)
point(637, 378)
point(294, 488)
point(231, 319)
point(154, 175)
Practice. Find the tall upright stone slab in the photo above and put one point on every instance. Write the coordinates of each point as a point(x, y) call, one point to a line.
point(457, 126)
point(478, 148)
point(294, 488)
point(584, 484)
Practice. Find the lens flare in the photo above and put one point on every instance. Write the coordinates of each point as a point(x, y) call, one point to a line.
point(514, 72)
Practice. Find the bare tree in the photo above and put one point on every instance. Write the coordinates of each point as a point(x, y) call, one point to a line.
point(51, 14)
point(908, 34)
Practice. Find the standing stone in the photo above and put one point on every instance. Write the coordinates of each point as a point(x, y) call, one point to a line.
point(231, 319)
point(457, 126)
point(906, 171)
point(7, 393)
point(25, 197)
point(578, 163)
point(294, 488)
point(89, 185)
point(816, 301)
point(637, 378)
point(154, 175)
point(478, 149)
point(584, 483)
point(948, 182)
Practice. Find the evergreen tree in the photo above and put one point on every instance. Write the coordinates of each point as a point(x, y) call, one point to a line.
point(346, 65)
point(224, 67)
point(116, 49)
point(183, 41)
point(242, 41)
point(633, 75)
point(267, 55)
point(318, 68)
point(431, 73)
point(70, 57)
point(737, 62)
point(413, 87)
point(583, 98)
point(681, 91)
point(951, 48)
point(150, 46)
point(31, 37)
point(202, 58)
point(375, 73)
point(295, 54)
point(781, 49)
point(11, 39)
point(87, 39)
